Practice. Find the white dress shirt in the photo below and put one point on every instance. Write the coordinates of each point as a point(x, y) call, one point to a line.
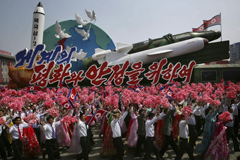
point(1, 128)
point(197, 110)
point(47, 129)
point(116, 125)
point(183, 129)
point(14, 130)
point(150, 127)
point(204, 109)
point(192, 120)
point(82, 127)
point(230, 123)
point(235, 109)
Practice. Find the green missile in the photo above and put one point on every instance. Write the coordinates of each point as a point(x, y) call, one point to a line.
point(169, 39)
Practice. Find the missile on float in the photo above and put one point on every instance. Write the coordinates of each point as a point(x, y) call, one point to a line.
point(121, 55)
point(169, 39)
point(123, 50)
point(37, 26)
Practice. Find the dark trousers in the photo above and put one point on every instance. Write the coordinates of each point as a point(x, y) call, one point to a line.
point(141, 141)
point(37, 132)
point(2, 148)
point(6, 141)
point(118, 145)
point(198, 123)
point(169, 140)
point(230, 134)
point(17, 149)
point(236, 125)
point(184, 147)
point(151, 147)
point(52, 149)
point(193, 135)
point(84, 141)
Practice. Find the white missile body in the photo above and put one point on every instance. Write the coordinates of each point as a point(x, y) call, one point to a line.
point(37, 26)
point(120, 56)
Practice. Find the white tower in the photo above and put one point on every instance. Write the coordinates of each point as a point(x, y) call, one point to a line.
point(37, 26)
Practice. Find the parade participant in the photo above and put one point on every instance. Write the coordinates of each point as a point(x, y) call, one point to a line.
point(219, 147)
point(3, 135)
point(235, 114)
point(2, 138)
point(51, 142)
point(159, 137)
point(192, 130)
point(177, 118)
point(183, 143)
point(150, 131)
point(16, 132)
point(141, 132)
point(197, 111)
point(207, 130)
point(108, 147)
point(230, 131)
point(132, 139)
point(167, 131)
point(116, 129)
point(84, 141)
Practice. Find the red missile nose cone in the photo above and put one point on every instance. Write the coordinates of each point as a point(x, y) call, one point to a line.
point(205, 41)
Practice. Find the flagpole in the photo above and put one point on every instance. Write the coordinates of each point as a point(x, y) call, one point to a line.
point(221, 26)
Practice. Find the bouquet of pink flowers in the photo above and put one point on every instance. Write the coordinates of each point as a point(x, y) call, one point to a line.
point(186, 111)
point(2, 121)
point(31, 118)
point(225, 116)
point(66, 119)
point(53, 111)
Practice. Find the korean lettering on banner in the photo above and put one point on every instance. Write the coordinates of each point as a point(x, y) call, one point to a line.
point(171, 72)
point(55, 67)
point(35, 31)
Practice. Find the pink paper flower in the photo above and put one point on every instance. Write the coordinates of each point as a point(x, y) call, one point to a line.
point(2, 121)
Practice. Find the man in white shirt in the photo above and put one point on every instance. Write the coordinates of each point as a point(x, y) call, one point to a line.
point(117, 133)
point(84, 141)
point(2, 138)
point(230, 131)
point(16, 130)
point(51, 143)
point(150, 132)
point(183, 143)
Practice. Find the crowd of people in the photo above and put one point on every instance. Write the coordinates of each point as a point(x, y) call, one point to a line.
point(150, 118)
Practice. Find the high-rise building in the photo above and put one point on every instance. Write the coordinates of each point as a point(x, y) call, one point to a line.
point(235, 52)
point(6, 60)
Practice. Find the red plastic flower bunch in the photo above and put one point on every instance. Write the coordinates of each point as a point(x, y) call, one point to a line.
point(2, 121)
point(53, 111)
point(67, 119)
point(186, 111)
point(225, 116)
point(31, 118)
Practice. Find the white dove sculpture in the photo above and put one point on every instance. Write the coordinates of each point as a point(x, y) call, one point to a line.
point(76, 55)
point(92, 15)
point(80, 21)
point(60, 32)
point(83, 33)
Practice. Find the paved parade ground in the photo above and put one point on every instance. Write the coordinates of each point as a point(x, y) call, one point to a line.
point(94, 155)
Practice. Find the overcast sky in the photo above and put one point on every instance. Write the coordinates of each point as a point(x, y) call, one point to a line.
point(126, 21)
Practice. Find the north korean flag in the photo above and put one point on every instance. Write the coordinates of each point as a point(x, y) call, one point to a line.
point(164, 88)
point(170, 94)
point(33, 88)
point(68, 105)
point(99, 113)
point(72, 94)
point(216, 20)
point(200, 28)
